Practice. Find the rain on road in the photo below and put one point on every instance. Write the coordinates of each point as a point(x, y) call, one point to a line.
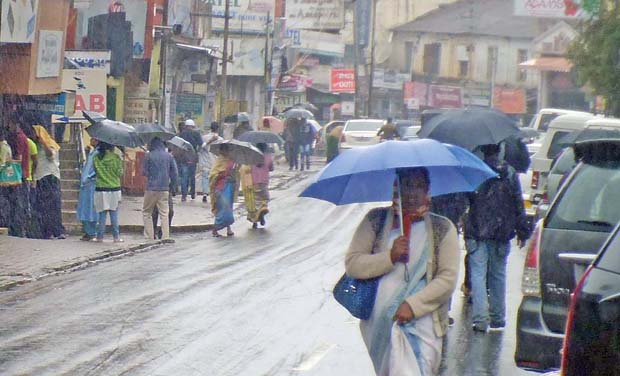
point(257, 304)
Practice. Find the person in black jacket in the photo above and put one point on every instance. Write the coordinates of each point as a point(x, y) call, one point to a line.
point(496, 214)
point(188, 167)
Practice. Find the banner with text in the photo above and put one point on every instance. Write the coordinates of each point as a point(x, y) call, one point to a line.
point(557, 8)
point(342, 81)
point(316, 15)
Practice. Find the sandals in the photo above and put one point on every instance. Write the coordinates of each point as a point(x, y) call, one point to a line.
point(216, 234)
point(230, 233)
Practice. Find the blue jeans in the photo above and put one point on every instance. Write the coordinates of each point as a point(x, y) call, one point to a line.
point(188, 180)
point(90, 228)
point(113, 222)
point(487, 270)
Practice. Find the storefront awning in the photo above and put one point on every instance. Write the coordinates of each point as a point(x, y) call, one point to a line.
point(548, 64)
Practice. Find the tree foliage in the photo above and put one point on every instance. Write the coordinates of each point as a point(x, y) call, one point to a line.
point(596, 58)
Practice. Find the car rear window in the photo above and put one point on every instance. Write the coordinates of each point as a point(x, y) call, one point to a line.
point(591, 200)
point(555, 148)
point(545, 120)
point(363, 126)
point(610, 258)
point(564, 163)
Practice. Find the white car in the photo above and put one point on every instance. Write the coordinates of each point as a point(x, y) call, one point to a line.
point(360, 132)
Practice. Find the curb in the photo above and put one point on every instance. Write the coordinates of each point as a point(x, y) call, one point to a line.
point(139, 229)
point(84, 263)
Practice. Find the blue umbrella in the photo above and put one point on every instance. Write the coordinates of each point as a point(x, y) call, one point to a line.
point(367, 174)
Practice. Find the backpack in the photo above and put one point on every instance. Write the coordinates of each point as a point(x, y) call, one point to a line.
point(493, 213)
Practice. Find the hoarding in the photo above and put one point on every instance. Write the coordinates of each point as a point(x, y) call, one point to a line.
point(49, 53)
point(18, 21)
point(342, 81)
point(557, 8)
point(245, 15)
point(90, 59)
point(509, 101)
point(90, 88)
point(315, 15)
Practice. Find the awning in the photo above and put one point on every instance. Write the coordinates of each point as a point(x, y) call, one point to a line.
point(548, 64)
point(189, 47)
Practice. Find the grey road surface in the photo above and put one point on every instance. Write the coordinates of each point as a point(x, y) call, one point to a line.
point(259, 303)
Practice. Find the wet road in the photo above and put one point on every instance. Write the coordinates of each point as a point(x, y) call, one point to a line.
point(256, 304)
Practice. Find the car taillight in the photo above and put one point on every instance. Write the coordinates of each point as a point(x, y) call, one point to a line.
point(571, 318)
point(535, 179)
point(530, 281)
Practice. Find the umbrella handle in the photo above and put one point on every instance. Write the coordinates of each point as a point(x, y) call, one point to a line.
point(400, 207)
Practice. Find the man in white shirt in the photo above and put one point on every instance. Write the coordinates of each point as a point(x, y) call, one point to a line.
point(206, 158)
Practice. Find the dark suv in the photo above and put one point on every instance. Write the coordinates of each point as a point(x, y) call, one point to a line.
point(592, 342)
point(579, 221)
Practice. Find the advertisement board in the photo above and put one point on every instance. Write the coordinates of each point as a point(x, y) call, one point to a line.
point(509, 101)
point(90, 59)
point(419, 94)
point(49, 55)
point(18, 21)
point(557, 8)
point(90, 88)
point(189, 106)
point(139, 110)
point(247, 55)
point(342, 81)
point(245, 15)
point(315, 15)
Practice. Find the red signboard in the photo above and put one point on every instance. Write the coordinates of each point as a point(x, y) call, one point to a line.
point(446, 97)
point(342, 81)
point(509, 101)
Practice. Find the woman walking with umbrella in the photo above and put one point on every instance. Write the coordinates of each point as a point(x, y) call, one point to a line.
point(223, 186)
point(86, 205)
point(255, 185)
point(108, 170)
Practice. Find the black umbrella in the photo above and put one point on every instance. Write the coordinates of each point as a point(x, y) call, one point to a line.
point(256, 137)
point(588, 134)
point(306, 106)
point(181, 145)
point(516, 154)
point(470, 128)
point(115, 133)
point(149, 131)
point(298, 113)
point(93, 117)
point(241, 152)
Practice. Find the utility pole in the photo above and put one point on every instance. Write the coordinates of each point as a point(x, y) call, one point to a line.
point(267, 65)
point(356, 102)
point(372, 58)
point(163, 57)
point(224, 88)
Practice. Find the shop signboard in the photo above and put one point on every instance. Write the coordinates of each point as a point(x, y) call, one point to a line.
point(247, 55)
point(18, 20)
point(342, 81)
point(294, 82)
point(90, 88)
point(509, 101)
point(557, 8)
point(317, 42)
point(90, 59)
point(49, 54)
point(315, 15)
point(245, 15)
point(445, 96)
point(138, 110)
point(386, 79)
point(189, 106)
point(347, 108)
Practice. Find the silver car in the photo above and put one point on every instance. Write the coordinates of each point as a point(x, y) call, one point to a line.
point(360, 132)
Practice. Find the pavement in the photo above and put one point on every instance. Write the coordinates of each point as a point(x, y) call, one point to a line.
point(24, 260)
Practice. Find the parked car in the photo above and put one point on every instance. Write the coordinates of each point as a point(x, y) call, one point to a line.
point(560, 168)
point(410, 133)
point(541, 121)
point(360, 132)
point(592, 335)
point(402, 126)
point(551, 148)
point(579, 220)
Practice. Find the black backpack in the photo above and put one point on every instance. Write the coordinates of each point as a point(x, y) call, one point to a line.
point(493, 213)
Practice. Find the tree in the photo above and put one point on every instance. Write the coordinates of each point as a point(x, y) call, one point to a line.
point(596, 58)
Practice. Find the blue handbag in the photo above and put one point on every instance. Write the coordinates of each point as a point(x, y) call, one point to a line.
point(357, 295)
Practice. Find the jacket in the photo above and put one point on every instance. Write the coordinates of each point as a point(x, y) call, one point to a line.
point(109, 170)
point(363, 262)
point(160, 170)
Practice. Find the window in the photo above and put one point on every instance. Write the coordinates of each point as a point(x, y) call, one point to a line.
point(521, 73)
point(432, 55)
point(491, 62)
point(556, 146)
point(408, 56)
point(463, 68)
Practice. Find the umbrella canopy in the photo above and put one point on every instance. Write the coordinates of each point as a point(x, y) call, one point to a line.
point(470, 128)
point(298, 113)
point(367, 174)
point(256, 137)
point(241, 152)
point(181, 145)
point(516, 154)
point(148, 131)
point(588, 134)
point(93, 117)
point(115, 133)
point(306, 106)
point(275, 125)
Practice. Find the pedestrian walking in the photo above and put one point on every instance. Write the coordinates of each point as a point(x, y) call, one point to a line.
point(388, 131)
point(496, 214)
point(86, 200)
point(188, 167)
point(206, 158)
point(160, 171)
point(291, 137)
point(332, 141)
point(255, 186)
point(108, 171)
point(33, 215)
point(418, 271)
point(47, 176)
point(7, 173)
point(18, 141)
point(306, 138)
point(223, 185)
